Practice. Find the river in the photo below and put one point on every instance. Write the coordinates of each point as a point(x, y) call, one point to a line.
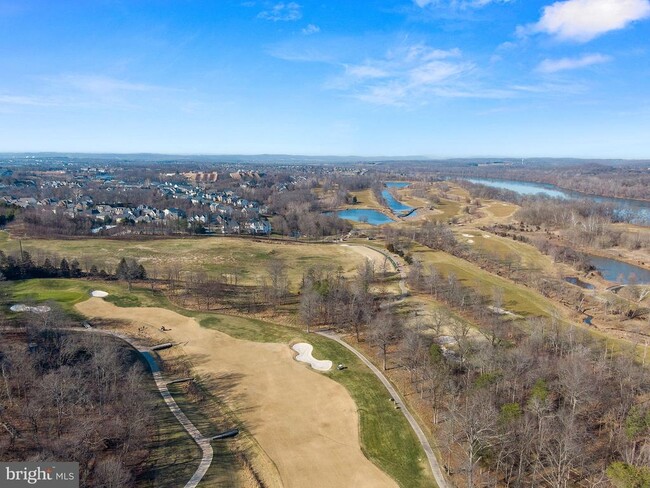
point(636, 211)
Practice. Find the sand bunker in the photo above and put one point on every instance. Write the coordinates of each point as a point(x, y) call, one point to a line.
point(304, 351)
point(307, 423)
point(468, 235)
point(26, 308)
point(99, 294)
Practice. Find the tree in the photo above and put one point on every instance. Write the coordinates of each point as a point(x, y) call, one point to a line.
point(129, 270)
point(310, 302)
point(383, 331)
point(474, 418)
point(64, 269)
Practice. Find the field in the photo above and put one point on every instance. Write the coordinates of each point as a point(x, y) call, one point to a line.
point(517, 299)
point(366, 199)
point(353, 409)
point(216, 256)
point(505, 248)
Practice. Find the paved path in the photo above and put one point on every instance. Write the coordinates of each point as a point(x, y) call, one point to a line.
point(433, 461)
point(201, 441)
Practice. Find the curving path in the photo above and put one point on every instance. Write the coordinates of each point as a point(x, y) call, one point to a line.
point(202, 441)
point(428, 450)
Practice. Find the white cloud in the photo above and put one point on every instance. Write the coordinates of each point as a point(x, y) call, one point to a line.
point(282, 12)
point(365, 72)
point(583, 20)
point(311, 29)
point(406, 75)
point(564, 64)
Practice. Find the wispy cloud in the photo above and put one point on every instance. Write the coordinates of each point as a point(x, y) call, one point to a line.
point(27, 100)
point(85, 91)
point(282, 11)
point(101, 85)
point(310, 29)
point(584, 20)
point(564, 64)
point(410, 75)
point(458, 4)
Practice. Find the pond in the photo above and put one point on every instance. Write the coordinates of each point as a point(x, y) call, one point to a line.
point(620, 272)
point(634, 210)
point(578, 282)
point(396, 184)
point(395, 205)
point(365, 215)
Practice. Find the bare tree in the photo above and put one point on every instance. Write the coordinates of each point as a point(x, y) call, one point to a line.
point(383, 331)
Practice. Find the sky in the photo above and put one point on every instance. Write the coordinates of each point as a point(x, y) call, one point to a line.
point(431, 78)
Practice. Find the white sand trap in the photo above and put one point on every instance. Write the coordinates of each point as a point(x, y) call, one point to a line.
point(304, 351)
point(502, 311)
point(26, 308)
point(468, 235)
point(470, 241)
point(99, 294)
point(486, 236)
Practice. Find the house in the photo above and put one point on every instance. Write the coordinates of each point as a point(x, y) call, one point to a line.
point(174, 213)
point(259, 227)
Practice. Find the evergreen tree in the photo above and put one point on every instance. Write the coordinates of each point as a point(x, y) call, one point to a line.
point(75, 269)
point(64, 269)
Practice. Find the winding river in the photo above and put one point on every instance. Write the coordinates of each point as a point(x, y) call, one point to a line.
point(636, 211)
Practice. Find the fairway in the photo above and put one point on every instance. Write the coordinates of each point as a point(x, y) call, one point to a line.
point(517, 299)
point(508, 249)
point(307, 423)
point(246, 259)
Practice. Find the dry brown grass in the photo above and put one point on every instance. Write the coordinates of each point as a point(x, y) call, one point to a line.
point(306, 423)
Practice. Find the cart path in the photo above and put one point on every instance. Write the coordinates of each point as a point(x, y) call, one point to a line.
point(202, 441)
point(428, 450)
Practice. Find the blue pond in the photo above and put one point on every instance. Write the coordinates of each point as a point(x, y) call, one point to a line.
point(396, 184)
point(620, 272)
point(366, 215)
point(395, 205)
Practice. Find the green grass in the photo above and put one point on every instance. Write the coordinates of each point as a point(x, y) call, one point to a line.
point(506, 248)
point(174, 455)
point(223, 470)
point(517, 299)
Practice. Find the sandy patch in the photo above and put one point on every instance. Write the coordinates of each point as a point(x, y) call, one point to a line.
point(99, 294)
point(470, 241)
point(502, 311)
point(306, 423)
point(26, 308)
point(468, 235)
point(374, 256)
point(304, 351)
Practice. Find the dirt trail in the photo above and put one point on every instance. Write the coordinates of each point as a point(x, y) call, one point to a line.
point(306, 423)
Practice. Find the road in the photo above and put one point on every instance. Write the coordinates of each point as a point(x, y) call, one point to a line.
point(433, 461)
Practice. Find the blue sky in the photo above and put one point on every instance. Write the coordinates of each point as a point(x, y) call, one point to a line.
point(436, 78)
